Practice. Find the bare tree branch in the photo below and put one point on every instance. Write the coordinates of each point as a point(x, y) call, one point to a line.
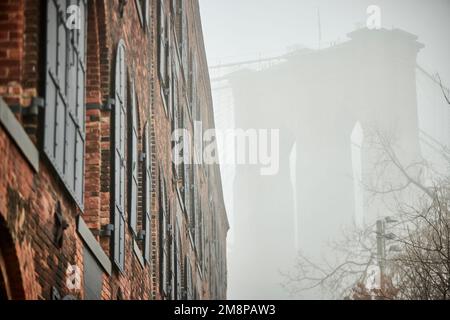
point(421, 269)
point(444, 90)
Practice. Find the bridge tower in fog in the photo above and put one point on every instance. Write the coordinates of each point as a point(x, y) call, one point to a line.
point(322, 101)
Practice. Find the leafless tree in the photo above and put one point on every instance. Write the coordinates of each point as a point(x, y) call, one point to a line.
point(356, 253)
point(422, 269)
point(419, 268)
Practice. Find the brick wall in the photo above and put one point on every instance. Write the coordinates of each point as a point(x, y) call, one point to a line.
point(36, 263)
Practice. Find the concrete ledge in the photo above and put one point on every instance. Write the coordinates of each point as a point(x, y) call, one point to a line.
point(14, 128)
point(93, 245)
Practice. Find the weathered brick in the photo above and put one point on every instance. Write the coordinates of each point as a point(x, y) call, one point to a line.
point(29, 200)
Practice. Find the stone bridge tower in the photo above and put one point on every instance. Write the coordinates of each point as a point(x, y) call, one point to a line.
point(318, 99)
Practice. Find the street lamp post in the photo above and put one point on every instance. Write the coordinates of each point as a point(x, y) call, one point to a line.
point(381, 246)
point(381, 249)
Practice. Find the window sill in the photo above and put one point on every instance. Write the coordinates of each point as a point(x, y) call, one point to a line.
point(18, 134)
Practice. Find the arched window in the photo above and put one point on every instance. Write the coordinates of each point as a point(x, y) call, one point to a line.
point(64, 132)
point(119, 157)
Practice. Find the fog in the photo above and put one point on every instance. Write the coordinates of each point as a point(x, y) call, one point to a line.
point(324, 76)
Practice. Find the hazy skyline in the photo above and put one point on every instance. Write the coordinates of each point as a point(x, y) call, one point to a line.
point(250, 29)
point(235, 30)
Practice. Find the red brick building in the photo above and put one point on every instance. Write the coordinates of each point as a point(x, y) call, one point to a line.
point(92, 205)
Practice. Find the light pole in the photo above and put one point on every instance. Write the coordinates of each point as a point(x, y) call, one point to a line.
point(381, 249)
point(381, 246)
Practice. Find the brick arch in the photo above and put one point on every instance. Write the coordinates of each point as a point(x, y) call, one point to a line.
point(11, 283)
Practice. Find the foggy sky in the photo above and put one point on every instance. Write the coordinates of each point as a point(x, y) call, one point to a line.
point(238, 30)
